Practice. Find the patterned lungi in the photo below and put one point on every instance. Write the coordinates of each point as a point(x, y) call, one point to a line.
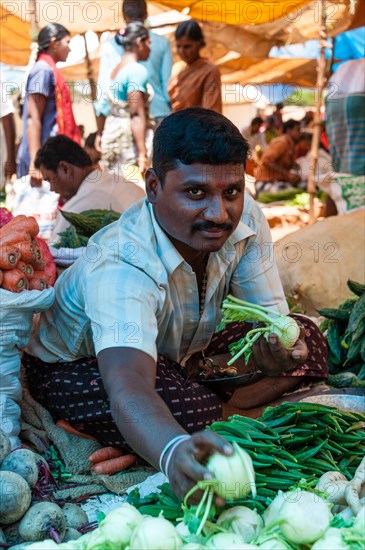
point(74, 390)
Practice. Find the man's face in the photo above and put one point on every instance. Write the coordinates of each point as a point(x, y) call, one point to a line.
point(199, 205)
point(295, 133)
point(59, 181)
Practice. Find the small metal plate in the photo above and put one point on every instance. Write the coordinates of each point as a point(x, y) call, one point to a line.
point(232, 381)
point(346, 402)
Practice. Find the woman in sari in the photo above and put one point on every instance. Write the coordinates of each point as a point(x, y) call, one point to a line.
point(127, 135)
point(195, 82)
point(47, 105)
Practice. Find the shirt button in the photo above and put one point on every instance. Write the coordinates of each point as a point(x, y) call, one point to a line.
point(190, 291)
point(192, 320)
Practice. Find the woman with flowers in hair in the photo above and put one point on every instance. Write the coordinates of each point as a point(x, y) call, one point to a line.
point(127, 130)
point(47, 105)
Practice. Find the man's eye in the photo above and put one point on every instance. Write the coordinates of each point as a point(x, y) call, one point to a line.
point(232, 192)
point(195, 192)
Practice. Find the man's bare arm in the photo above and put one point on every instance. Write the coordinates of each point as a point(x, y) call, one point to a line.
point(146, 422)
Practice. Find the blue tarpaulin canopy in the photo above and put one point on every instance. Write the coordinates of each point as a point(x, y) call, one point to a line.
point(347, 45)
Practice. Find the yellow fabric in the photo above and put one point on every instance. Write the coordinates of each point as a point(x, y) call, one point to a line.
point(233, 12)
point(300, 72)
point(14, 39)
point(248, 29)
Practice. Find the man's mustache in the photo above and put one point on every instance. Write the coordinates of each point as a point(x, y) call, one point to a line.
point(210, 226)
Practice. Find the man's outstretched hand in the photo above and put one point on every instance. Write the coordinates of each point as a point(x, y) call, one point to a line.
point(186, 465)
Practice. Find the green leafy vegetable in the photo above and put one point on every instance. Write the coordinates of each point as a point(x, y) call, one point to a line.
point(235, 309)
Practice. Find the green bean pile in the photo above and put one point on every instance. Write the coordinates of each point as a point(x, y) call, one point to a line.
point(297, 441)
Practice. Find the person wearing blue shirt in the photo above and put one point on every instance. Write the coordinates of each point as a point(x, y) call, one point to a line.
point(158, 65)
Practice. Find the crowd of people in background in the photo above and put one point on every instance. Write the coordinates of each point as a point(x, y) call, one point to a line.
point(280, 152)
point(138, 87)
point(136, 90)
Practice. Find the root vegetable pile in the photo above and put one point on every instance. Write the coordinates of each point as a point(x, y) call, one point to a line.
point(25, 260)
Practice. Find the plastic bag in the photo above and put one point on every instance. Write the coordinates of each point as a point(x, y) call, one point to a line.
point(64, 257)
point(40, 202)
point(16, 315)
point(346, 190)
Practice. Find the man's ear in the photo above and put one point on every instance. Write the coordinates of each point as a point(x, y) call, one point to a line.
point(65, 167)
point(153, 185)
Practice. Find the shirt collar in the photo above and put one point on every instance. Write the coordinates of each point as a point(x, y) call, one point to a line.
point(242, 232)
point(168, 254)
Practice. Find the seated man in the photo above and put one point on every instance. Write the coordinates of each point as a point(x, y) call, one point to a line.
point(276, 169)
point(80, 183)
point(255, 138)
point(113, 355)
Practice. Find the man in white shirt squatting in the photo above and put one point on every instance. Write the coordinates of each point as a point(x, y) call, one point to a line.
point(115, 355)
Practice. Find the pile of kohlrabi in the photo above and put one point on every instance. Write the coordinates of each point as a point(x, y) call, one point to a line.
point(297, 519)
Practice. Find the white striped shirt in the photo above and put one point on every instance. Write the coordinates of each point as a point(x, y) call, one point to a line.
point(133, 289)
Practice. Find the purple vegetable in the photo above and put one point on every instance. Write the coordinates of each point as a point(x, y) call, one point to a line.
point(5, 216)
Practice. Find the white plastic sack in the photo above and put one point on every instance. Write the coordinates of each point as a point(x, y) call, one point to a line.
point(64, 257)
point(346, 190)
point(40, 202)
point(16, 315)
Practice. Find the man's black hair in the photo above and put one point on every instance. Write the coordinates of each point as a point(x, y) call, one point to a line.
point(59, 148)
point(256, 120)
point(290, 124)
point(90, 140)
point(134, 10)
point(197, 135)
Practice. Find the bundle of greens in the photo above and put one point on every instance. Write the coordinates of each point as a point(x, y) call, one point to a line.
point(345, 331)
point(83, 226)
point(235, 309)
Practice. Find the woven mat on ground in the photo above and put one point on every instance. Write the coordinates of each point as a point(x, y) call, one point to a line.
point(39, 430)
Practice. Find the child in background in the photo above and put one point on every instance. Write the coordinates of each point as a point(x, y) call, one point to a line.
point(90, 148)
